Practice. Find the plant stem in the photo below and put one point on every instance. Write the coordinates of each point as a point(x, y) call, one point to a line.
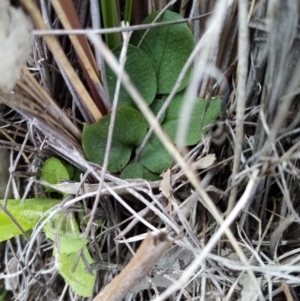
point(128, 10)
point(111, 18)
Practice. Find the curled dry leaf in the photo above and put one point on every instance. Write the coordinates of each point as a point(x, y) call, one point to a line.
point(167, 190)
point(202, 163)
point(165, 185)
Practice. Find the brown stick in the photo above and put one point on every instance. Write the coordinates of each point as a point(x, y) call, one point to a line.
point(151, 249)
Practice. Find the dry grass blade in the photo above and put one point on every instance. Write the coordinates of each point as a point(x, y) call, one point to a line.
point(62, 61)
point(39, 118)
point(242, 70)
point(68, 17)
point(231, 201)
point(39, 95)
point(287, 291)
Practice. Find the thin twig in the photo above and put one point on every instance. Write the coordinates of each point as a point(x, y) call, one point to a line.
point(114, 30)
point(243, 50)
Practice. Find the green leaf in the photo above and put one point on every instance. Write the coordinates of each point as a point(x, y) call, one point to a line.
point(196, 119)
point(94, 139)
point(133, 171)
point(151, 176)
point(129, 131)
point(156, 106)
point(76, 175)
point(155, 157)
point(138, 171)
point(70, 169)
point(79, 280)
point(130, 126)
point(64, 231)
point(168, 48)
point(26, 214)
point(52, 171)
point(140, 70)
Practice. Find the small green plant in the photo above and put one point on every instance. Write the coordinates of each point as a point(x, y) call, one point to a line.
point(154, 156)
point(27, 215)
point(71, 252)
point(130, 129)
point(70, 247)
point(142, 74)
point(168, 48)
point(154, 62)
point(53, 170)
